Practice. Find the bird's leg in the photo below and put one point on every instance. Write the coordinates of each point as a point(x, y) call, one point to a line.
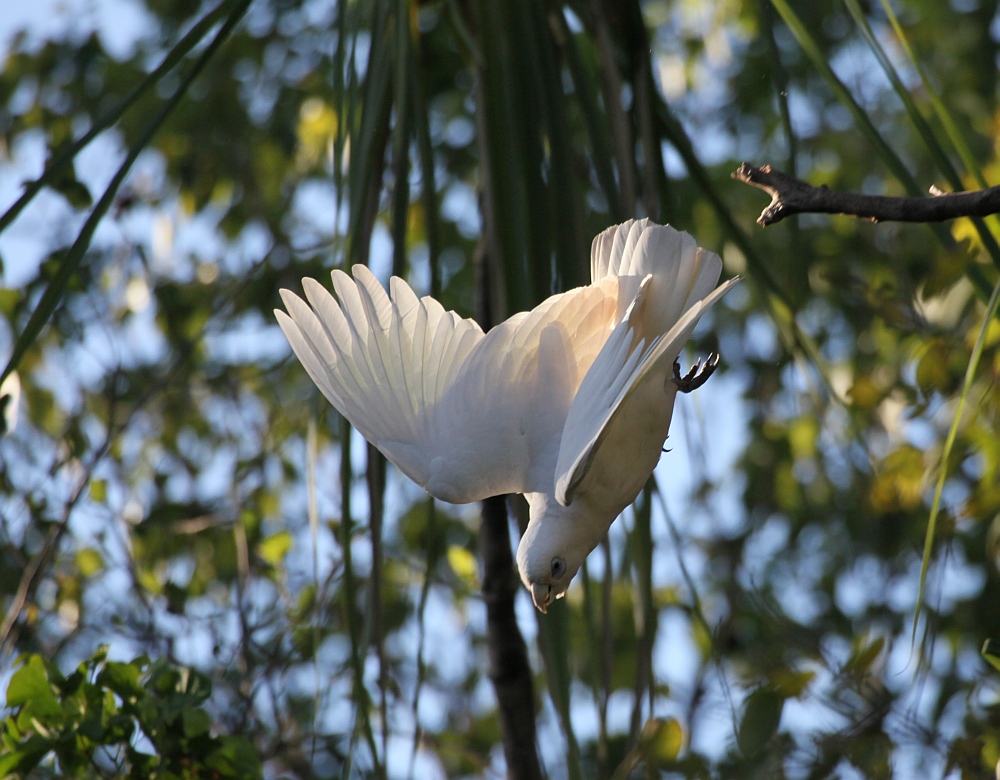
point(698, 374)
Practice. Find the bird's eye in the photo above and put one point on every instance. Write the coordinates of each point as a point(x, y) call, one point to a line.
point(558, 568)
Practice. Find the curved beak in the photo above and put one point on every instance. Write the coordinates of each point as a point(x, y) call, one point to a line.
point(541, 594)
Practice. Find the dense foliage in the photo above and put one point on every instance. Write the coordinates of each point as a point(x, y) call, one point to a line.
point(175, 487)
point(88, 721)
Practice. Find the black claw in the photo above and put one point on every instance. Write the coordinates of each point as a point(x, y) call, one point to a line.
point(698, 374)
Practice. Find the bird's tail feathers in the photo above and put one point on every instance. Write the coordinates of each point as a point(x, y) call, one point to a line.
point(682, 272)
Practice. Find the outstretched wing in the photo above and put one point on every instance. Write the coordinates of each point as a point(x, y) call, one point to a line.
point(463, 414)
point(669, 299)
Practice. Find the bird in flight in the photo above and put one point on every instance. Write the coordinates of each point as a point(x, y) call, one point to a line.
point(569, 403)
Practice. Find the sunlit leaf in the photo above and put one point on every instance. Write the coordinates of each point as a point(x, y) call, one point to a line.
point(463, 563)
point(99, 490)
point(89, 561)
point(661, 740)
point(991, 653)
point(274, 548)
point(30, 688)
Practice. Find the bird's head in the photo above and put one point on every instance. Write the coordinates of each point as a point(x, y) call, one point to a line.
point(553, 548)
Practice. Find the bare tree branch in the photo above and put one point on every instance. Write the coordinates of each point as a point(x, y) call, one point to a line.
point(790, 195)
point(509, 667)
point(510, 671)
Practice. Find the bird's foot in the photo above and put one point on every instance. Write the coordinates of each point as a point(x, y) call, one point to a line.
point(698, 374)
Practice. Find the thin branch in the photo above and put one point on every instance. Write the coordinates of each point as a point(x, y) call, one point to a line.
point(510, 671)
point(790, 195)
point(375, 476)
point(433, 553)
point(607, 653)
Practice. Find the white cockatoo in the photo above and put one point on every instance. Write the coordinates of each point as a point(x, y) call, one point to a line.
point(569, 403)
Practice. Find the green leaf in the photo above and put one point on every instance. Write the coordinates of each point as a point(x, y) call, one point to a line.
point(8, 301)
point(74, 190)
point(119, 728)
point(123, 679)
point(790, 683)
point(195, 722)
point(92, 728)
point(235, 757)
point(991, 653)
point(761, 719)
point(22, 761)
point(30, 688)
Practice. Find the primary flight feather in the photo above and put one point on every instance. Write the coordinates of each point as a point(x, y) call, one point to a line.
point(569, 403)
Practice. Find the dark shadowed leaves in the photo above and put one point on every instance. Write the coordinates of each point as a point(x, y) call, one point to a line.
point(760, 721)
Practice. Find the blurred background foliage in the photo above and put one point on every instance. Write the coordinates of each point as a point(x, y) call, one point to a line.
point(175, 488)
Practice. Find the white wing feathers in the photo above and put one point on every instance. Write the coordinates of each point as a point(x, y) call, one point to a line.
point(462, 414)
point(524, 407)
point(368, 354)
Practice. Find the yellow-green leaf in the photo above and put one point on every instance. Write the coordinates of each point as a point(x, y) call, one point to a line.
point(463, 563)
point(30, 688)
point(89, 562)
point(802, 436)
point(790, 683)
point(991, 652)
point(99, 490)
point(274, 548)
point(661, 740)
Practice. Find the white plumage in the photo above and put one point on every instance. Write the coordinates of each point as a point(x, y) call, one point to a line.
point(569, 403)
